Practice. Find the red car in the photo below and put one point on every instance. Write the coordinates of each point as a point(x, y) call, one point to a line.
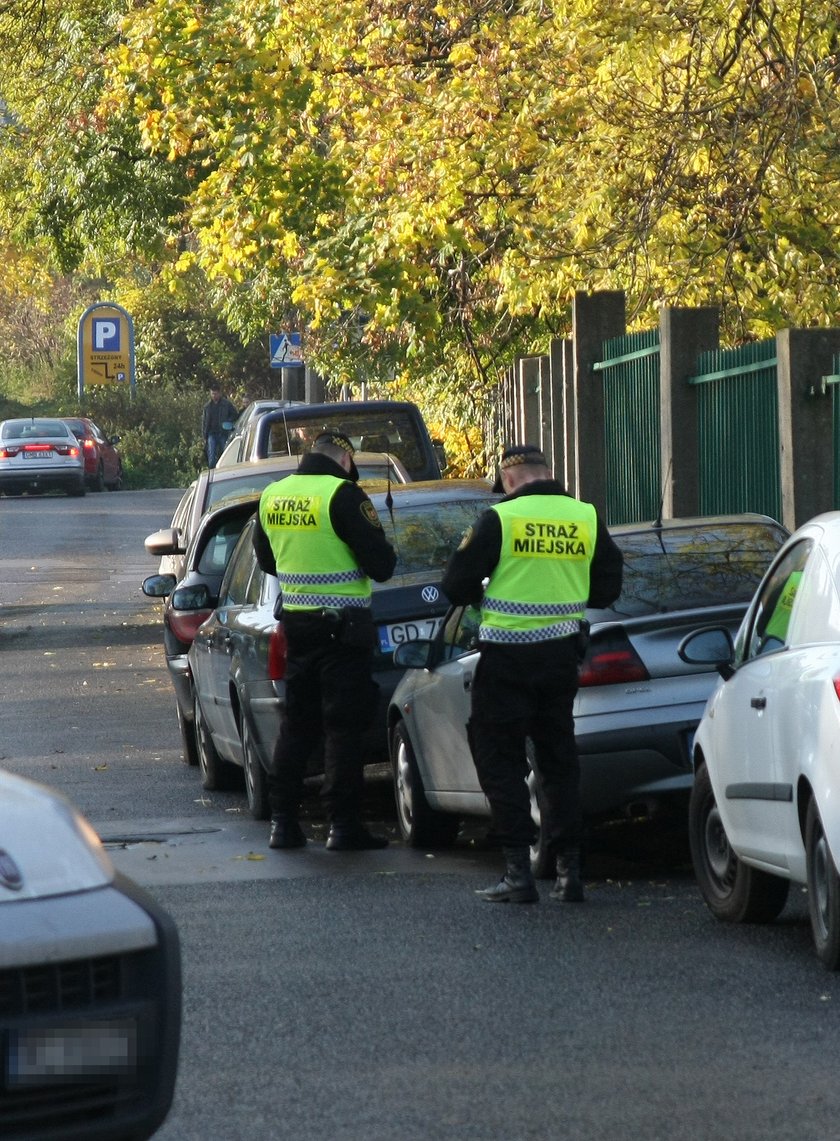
point(103, 466)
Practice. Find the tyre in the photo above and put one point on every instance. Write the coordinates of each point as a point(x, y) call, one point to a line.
point(823, 891)
point(98, 481)
point(256, 779)
point(116, 484)
point(78, 490)
point(543, 863)
point(733, 891)
point(189, 748)
point(216, 774)
point(420, 825)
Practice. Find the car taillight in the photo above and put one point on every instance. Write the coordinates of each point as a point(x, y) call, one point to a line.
point(277, 653)
point(611, 660)
point(837, 687)
point(8, 453)
point(67, 449)
point(37, 447)
point(184, 623)
point(88, 445)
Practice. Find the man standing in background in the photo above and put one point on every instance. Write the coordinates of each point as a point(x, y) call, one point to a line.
point(218, 412)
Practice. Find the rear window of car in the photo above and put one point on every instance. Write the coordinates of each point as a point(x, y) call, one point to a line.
point(684, 568)
point(424, 536)
point(77, 428)
point(25, 429)
point(393, 431)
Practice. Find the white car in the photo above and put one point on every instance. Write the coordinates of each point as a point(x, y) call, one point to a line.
point(90, 981)
point(38, 454)
point(765, 808)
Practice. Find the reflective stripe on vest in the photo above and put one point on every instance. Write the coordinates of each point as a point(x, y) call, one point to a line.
point(314, 567)
point(539, 588)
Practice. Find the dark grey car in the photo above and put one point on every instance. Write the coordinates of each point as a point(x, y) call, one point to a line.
point(237, 658)
point(638, 704)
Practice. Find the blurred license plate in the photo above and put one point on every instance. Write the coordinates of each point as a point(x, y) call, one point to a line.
point(398, 632)
point(71, 1052)
point(43, 454)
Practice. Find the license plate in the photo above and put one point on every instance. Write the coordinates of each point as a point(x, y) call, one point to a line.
point(71, 1052)
point(46, 454)
point(398, 632)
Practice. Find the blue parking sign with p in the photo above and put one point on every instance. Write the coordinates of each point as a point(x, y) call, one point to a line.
point(106, 335)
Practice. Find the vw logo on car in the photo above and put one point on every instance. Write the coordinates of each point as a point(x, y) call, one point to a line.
point(430, 594)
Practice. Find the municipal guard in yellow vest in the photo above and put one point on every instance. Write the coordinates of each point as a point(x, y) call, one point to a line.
point(544, 557)
point(319, 532)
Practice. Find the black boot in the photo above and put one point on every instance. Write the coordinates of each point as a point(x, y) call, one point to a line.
point(569, 886)
point(353, 837)
point(517, 885)
point(285, 832)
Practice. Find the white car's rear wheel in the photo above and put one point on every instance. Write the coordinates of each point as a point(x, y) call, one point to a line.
point(733, 891)
point(823, 891)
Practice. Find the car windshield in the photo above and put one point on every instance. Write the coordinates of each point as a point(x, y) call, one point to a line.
point(425, 535)
point(683, 568)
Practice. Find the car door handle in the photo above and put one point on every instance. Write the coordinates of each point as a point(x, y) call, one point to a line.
point(467, 681)
point(758, 703)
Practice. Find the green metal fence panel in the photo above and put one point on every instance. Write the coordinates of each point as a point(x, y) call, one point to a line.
point(738, 430)
point(632, 431)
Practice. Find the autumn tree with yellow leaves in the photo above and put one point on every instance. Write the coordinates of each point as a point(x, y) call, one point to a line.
point(422, 186)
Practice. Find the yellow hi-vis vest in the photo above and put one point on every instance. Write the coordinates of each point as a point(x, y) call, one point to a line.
point(315, 568)
point(540, 586)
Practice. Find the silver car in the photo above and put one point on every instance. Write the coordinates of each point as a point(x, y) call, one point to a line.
point(90, 981)
point(39, 454)
point(638, 705)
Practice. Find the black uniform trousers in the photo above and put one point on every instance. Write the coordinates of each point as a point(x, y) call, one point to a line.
point(521, 691)
point(331, 699)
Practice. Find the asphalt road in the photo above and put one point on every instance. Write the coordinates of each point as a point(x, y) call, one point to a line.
point(371, 996)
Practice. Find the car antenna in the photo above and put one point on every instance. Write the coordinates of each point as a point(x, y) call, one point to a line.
point(657, 523)
point(288, 438)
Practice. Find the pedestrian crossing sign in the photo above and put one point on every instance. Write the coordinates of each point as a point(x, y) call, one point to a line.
point(285, 350)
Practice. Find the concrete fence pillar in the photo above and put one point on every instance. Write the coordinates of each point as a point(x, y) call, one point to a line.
point(683, 335)
point(806, 436)
point(529, 400)
point(596, 317)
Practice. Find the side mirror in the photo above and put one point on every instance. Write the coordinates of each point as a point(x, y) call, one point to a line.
point(196, 597)
point(165, 542)
point(158, 585)
point(708, 646)
point(440, 452)
point(414, 655)
point(115, 439)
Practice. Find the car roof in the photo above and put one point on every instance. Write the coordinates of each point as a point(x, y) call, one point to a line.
point(236, 471)
point(431, 491)
point(694, 522)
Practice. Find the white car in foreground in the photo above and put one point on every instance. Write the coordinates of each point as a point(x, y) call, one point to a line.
point(90, 982)
point(765, 807)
